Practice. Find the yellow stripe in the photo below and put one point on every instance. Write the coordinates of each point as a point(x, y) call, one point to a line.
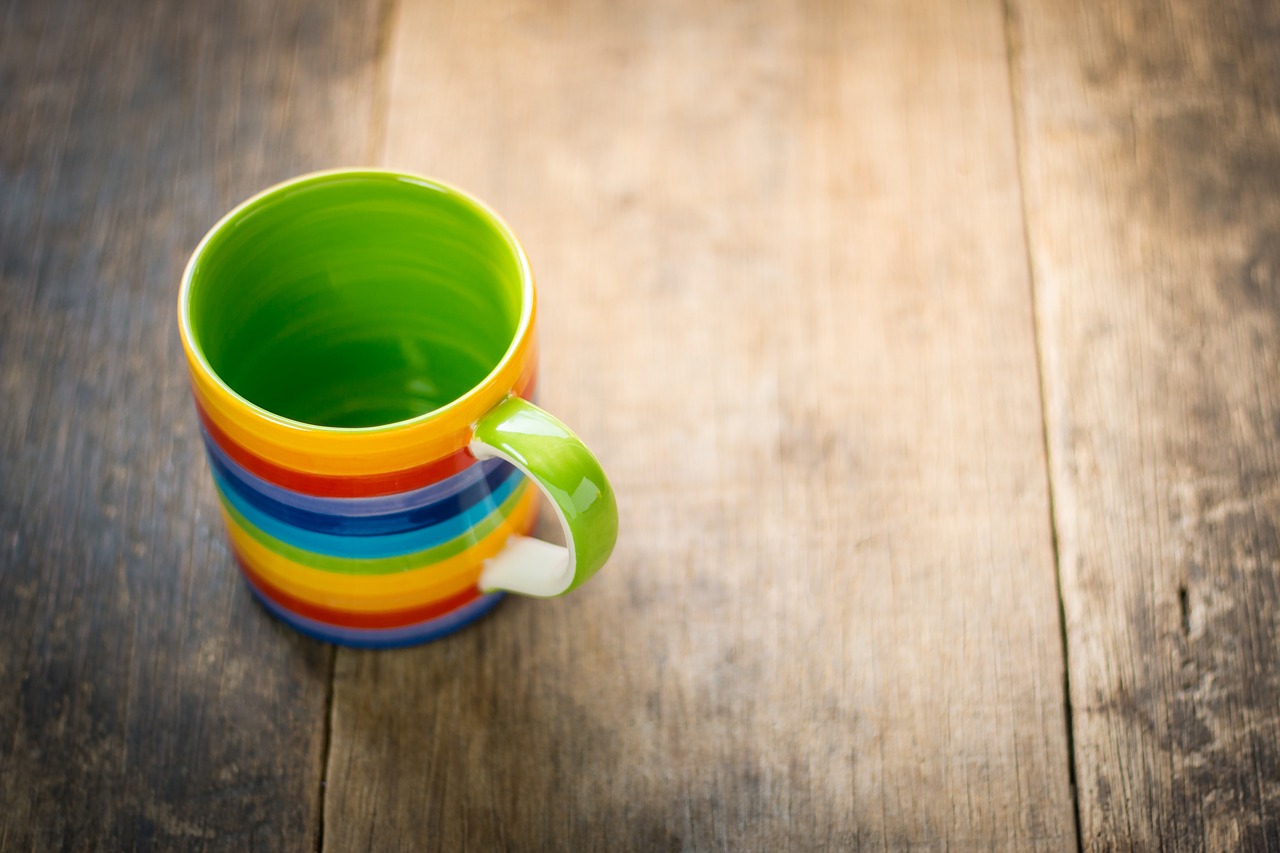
point(318, 450)
point(374, 593)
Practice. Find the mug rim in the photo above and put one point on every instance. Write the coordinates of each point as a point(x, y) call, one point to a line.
point(196, 357)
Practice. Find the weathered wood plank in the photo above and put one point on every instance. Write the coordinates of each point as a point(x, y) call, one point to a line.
point(785, 297)
point(1151, 154)
point(145, 701)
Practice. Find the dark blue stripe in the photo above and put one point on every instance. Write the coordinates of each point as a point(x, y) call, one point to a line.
point(374, 547)
point(397, 521)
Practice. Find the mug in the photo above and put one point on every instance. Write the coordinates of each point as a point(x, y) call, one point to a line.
point(362, 356)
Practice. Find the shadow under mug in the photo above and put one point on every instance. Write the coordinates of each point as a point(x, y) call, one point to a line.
point(362, 353)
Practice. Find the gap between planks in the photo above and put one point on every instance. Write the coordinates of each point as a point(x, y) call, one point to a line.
point(1015, 114)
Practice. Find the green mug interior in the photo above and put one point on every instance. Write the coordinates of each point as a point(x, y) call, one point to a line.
point(355, 299)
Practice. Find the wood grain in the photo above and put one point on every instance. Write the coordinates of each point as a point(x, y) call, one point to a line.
point(145, 701)
point(1151, 153)
point(785, 296)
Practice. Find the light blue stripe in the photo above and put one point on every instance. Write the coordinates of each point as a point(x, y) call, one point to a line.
point(370, 547)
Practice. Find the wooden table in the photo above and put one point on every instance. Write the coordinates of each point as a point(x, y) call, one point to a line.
point(933, 347)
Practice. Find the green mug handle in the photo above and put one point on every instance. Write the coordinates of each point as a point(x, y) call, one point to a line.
point(555, 459)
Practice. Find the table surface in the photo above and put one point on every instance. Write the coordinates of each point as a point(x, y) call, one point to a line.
point(933, 349)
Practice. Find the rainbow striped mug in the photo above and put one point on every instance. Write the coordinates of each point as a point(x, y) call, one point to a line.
point(362, 355)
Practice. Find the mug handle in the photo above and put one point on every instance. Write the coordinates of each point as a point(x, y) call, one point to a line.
point(555, 459)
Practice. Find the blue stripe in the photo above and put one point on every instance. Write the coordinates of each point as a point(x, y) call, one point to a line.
point(382, 638)
point(374, 516)
point(372, 547)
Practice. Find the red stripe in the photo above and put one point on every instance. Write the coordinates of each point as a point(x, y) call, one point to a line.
point(345, 485)
point(356, 619)
point(337, 485)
